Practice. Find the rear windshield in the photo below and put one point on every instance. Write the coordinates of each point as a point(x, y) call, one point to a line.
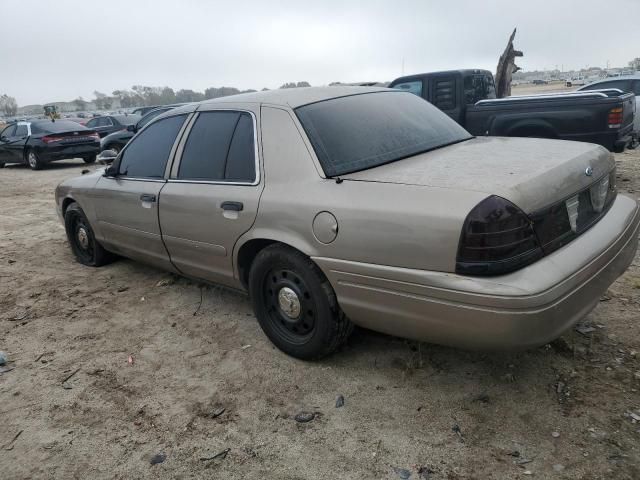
point(59, 126)
point(127, 119)
point(364, 131)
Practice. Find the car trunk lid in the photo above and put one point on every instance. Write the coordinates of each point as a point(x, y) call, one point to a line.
point(532, 173)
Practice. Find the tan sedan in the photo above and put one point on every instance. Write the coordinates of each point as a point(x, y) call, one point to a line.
point(346, 205)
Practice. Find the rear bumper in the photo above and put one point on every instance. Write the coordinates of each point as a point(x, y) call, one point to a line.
point(526, 308)
point(68, 151)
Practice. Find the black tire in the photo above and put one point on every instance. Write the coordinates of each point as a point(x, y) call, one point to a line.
point(33, 161)
point(319, 327)
point(1, 164)
point(84, 245)
point(90, 159)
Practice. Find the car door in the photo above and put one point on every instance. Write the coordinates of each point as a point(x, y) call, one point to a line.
point(102, 125)
point(211, 197)
point(18, 142)
point(635, 88)
point(126, 204)
point(6, 137)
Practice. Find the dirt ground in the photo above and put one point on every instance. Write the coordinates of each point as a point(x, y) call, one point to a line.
point(205, 380)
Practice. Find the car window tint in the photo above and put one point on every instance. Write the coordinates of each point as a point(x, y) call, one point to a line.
point(9, 131)
point(91, 123)
point(414, 87)
point(147, 154)
point(363, 131)
point(206, 149)
point(636, 89)
point(241, 166)
point(21, 131)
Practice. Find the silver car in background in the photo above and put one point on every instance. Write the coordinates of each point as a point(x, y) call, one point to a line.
point(345, 205)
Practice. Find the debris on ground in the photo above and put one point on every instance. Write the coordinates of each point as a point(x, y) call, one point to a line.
point(221, 455)
point(584, 329)
point(555, 434)
point(482, 398)
point(456, 429)
point(3, 358)
point(165, 282)
point(65, 385)
point(403, 473)
point(304, 417)
point(217, 412)
point(158, 458)
point(340, 401)
point(131, 360)
point(9, 446)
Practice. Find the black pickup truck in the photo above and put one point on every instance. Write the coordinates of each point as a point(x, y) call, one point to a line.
point(469, 97)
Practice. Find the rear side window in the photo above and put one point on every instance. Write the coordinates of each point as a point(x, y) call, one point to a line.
point(444, 93)
point(414, 87)
point(220, 147)
point(147, 154)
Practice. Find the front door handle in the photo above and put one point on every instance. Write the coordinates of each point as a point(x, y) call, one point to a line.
point(148, 197)
point(234, 206)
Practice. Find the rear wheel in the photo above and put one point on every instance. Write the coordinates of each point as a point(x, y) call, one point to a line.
point(34, 161)
point(1, 164)
point(84, 245)
point(295, 304)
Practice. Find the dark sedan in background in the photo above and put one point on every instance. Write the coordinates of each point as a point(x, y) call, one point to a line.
point(40, 142)
point(107, 124)
point(117, 140)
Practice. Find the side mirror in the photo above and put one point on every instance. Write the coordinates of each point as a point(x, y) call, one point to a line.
point(3, 139)
point(132, 128)
point(107, 156)
point(111, 171)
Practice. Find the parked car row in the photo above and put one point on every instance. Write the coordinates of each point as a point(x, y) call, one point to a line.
point(342, 205)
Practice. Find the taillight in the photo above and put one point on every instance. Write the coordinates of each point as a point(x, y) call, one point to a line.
point(94, 135)
point(614, 119)
point(497, 238)
point(51, 139)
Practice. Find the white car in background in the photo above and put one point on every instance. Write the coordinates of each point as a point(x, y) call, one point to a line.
point(626, 83)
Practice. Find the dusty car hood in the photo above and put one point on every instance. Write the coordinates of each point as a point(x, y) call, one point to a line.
point(530, 172)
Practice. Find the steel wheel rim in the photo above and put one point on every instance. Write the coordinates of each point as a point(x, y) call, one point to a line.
point(82, 238)
point(289, 304)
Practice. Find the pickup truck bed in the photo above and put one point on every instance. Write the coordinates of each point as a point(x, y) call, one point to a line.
point(580, 116)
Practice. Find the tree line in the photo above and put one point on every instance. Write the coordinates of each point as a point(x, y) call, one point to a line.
point(143, 95)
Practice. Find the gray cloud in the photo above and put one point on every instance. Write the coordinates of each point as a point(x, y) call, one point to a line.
point(58, 50)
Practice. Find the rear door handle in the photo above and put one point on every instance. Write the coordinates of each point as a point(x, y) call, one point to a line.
point(148, 197)
point(234, 206)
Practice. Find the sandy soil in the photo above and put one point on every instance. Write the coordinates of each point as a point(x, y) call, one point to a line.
point(410, 411)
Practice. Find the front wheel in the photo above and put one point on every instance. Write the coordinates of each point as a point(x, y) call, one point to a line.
point(84, 245)
point(295, 304)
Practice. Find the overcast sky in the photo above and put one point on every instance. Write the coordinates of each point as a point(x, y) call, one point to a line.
point(58, 50)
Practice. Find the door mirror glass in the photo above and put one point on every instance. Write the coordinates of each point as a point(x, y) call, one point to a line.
point(107, 156)
point(111, 171)
point(131, 128)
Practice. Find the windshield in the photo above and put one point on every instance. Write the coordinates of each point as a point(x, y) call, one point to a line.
point(364, 131)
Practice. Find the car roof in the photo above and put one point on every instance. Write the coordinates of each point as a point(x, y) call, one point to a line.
point(635, 76)
point(294, 97)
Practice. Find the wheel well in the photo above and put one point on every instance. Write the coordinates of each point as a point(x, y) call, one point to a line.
point(65, 204)
point(246, 256)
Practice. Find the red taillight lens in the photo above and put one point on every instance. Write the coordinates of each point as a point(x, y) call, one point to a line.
point(497, 238)
point(614, 119)
point(51, 139)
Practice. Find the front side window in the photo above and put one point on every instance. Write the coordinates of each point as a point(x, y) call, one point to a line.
point(104, 122)
point(91, 123)
point(21, 131)
point(220, 147)
point(147, 154)
point(8, 132)
point(364, 131)
point(414, 87)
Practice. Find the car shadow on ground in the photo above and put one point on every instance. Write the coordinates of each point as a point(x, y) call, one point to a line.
point(61, 165)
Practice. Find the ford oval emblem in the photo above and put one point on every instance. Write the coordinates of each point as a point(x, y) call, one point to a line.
point(588, 172)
